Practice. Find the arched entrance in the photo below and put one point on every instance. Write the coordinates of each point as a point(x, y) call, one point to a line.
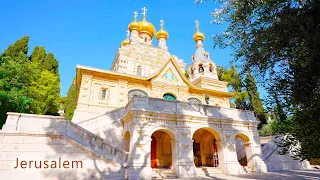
point(205, 150)
point(243, 149)
point(161, 149)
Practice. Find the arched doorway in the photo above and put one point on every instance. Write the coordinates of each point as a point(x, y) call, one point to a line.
point(205, 150)
point(169, 97)
point(127, 141)
point(243, 149)
point(161, 149)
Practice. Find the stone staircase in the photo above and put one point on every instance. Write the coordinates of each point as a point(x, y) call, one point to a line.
point(208, 171)
point(246, 169)
point(163, 174)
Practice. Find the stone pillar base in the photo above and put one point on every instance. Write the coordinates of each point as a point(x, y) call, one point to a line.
point(260, 166)
point(183, 171)
point(232, 168)
point(140, 173)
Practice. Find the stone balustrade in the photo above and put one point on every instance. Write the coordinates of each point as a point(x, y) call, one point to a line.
point(184, 108)
point(55, 125)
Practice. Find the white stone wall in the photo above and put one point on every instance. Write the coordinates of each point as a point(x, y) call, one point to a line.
point(39, 137)
point(45, 147)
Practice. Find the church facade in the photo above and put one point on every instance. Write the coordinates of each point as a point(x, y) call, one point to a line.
point(165, 119)
point(145, 118)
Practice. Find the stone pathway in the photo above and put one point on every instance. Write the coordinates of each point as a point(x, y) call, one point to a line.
point(280, 175)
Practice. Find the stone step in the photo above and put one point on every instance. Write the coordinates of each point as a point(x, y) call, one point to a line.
point(208, 171)
point(163, 174)
point(246, 169)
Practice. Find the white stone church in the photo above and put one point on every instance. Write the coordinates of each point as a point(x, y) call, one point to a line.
point(142, 119)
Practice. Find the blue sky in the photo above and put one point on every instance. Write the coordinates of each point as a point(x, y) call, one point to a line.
point(88, 32)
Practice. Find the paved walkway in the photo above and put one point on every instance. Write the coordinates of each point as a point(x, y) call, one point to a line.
point(280, 175)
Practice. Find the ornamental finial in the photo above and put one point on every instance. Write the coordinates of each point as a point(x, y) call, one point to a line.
point(161, 24)
point(135, 16)
point(197, 25)
point(144, 11)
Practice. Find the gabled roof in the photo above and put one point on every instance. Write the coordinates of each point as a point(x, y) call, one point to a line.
point(112, 74)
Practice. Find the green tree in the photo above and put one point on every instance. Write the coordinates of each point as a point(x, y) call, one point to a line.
point(45, 93)
point(51, 64)
point(280, 40)
point(38, 55)
point(240, 100)
point(254, 98)
point(70, 101)
point(20, 47)
point(24, 79)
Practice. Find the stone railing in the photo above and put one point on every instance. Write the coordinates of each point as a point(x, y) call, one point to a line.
point(55, 125)
point(97, 122)
point(184, 108)
point(268, 149)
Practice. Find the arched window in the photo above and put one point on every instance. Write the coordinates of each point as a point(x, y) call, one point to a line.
point(136, 92)
point(103, 94)
point(210, 68)
point(194, 101)
point(139, 70)
point(207, 99)
point(201, 68)
point(169, 97)
point(145, 39)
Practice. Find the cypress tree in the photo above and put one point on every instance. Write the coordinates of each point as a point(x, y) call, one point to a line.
point(255, 102)
point(51, 64)
point(20, 47)
point(38, 55)
point(70, 101)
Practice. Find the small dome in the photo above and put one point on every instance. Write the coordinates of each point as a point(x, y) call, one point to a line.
point(162, 34)
point(198, 36)
point(146, 27)
point(134, 25)
point(125, 42)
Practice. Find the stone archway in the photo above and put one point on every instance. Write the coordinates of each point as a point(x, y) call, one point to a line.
point(207, 148)
point(244, 150)
point(161, 149)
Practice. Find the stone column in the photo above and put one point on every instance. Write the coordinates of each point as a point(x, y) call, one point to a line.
point(231, 165)
point(174, 155)
point(249, 154)
point(139, 162)
point(185, 164)
point(257, 163)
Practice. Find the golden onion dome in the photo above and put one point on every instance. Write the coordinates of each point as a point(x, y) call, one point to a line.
point(125, 42)
point(162, 34)
point(146, 27)
point(134, 25)
point(198, 36)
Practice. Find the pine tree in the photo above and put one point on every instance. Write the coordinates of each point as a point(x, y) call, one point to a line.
point(254, 98)
point(70, 101)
